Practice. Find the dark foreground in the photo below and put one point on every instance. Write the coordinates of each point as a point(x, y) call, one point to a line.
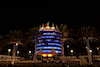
point(47, 65)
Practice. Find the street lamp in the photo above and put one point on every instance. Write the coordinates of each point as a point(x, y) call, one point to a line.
point(90, 51)
point(86, 47)
point(68, 49)
point(98, 50)
point(17, 53)
point(67, 46)
point(71, 52)
point(9, 50)
point(16, 44)
point(30, 52)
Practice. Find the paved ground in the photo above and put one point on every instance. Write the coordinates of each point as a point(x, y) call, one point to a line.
point(31, 64)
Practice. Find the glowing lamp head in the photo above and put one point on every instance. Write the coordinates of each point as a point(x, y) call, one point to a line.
point(90, 51)
point(9, 50)
point(16, 44)
point(67, 46)
point(30, 51)
point(86, 47)
point(17, 52)
point(97, 48)
point(44, 55)
point(49, 55)
point(71, 51)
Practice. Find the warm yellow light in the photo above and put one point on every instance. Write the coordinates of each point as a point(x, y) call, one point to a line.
point(52, 27)
point(47, 27)
point(49, 55)
point(42, 28)
point(44, 55)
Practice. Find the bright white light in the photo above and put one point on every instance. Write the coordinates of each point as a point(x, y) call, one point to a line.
point(71, 51)
point(67, 46)
point(17, 52)
point(16, 44)
point(90, 51)
point(56, 51)
point(97, 48)
point(86, 47)
point(30, 51)
point(9, 50)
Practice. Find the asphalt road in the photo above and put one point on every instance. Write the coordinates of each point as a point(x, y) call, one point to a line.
point(30, 64)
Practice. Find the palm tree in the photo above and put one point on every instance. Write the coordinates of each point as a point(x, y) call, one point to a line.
point(31, 37)
point(88, 34)
point(66, 37)
point(14, 37)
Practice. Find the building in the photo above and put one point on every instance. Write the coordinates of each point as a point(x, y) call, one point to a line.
point(48, 42)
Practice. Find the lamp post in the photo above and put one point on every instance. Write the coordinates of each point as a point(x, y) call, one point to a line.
point(30, 54)
point(71, 53)
point(98, 50)
point(68, 49)
point(9, 50)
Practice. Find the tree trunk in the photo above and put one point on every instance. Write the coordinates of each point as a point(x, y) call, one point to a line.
point(35, 52)
point(88, 51)
point(13, 55)
point(63, 52)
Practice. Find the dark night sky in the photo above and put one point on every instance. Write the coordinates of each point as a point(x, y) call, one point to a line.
point(26, 14)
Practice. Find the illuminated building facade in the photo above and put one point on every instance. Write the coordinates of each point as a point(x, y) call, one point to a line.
point(48, 39)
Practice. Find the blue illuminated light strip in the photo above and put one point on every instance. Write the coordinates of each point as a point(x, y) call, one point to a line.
point(59, 41)
point(58, 37)
point(39, 37)
point(46, 50)
point(37, 51)
point(43, 37)
point(41, 43)
point(49, 47)
point(40, 40)
point(48, 40)
point(55, 44)
point(58, 51)
point(49, 51)
point(55, 40)
point(49, 34)
point(49, 44)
